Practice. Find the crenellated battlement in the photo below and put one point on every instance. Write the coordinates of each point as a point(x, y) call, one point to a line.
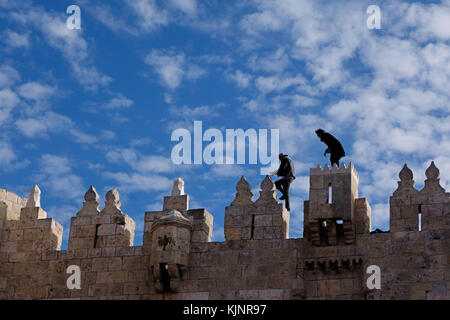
point(178, 260)
point(263, 219)
point(335, 169)
point(110, 227)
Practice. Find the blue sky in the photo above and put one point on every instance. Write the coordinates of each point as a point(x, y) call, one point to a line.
point(97, 106)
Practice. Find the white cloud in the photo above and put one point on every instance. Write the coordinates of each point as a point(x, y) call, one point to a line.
point(420, 21)
point(168, 98)
point(131, 182)
point(187, 6)
point(7, 155)
point(108, 134)
point(56, 176)
point(172, 67)
point(43, 125)
point(293, 101)
point(35, 91)
point(120, 101)
point(140, 142)
point(8, 76)
point(117, 23)
point(277, 83)
point(16, 40)
point(31, 127)
point(194, 72)
point(82, 137)
point(216, 59)
point(221, 171)
point(8, 100)
point(139, 162)
point(276, 62)
point(196, 113)
point(72, 45)
point(149, 15)
point(168, 66)
point(154, 164)
point(242, 79)
point(9, 158)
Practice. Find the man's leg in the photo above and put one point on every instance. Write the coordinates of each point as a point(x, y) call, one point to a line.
point(279, 185)
point(334, 159)
point(286, 186)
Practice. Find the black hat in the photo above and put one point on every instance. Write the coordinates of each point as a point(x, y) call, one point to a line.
point(319, 131)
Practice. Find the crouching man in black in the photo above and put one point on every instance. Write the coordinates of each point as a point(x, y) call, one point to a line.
point(334, 146)
point(287, 173)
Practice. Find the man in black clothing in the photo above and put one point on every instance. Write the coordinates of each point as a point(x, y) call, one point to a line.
point(334, 147)
point(287, 173)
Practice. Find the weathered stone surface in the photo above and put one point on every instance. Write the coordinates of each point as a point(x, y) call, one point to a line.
point(178, 260)
point(267, 195)
point(34, 200)
point(244, 194)
point(178, 187)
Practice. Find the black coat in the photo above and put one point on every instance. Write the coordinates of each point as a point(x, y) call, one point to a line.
point(332, 143)
point(286, 168)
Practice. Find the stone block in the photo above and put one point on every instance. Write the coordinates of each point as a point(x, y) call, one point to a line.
point(270, 294)
point(263, 220)
point(114, 263)
point(33, 234)
point(32, 213)
point(206, 285)
point(328, 288)
point(230, 257)
point(199, 236)
point(419, 291)
point(233, 271)
point(86, 231)
point(138, 275)
point(280, 283)
point(176, 202)
point(413, 249)
point(249, 294)
point(232, 234)
point(106, 229)
point(14, 235)
point(346, 286)
point(258, 283)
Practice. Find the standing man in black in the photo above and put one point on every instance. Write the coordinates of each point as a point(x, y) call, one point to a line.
point(334, 147)
point(287, 173)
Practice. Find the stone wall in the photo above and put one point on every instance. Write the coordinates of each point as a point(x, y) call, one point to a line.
point(257, 261)
point(10, 205)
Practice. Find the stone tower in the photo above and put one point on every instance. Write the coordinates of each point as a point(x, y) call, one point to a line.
point(334, 213)
point(171, 239)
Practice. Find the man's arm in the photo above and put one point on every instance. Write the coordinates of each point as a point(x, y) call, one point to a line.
point(326, 151)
